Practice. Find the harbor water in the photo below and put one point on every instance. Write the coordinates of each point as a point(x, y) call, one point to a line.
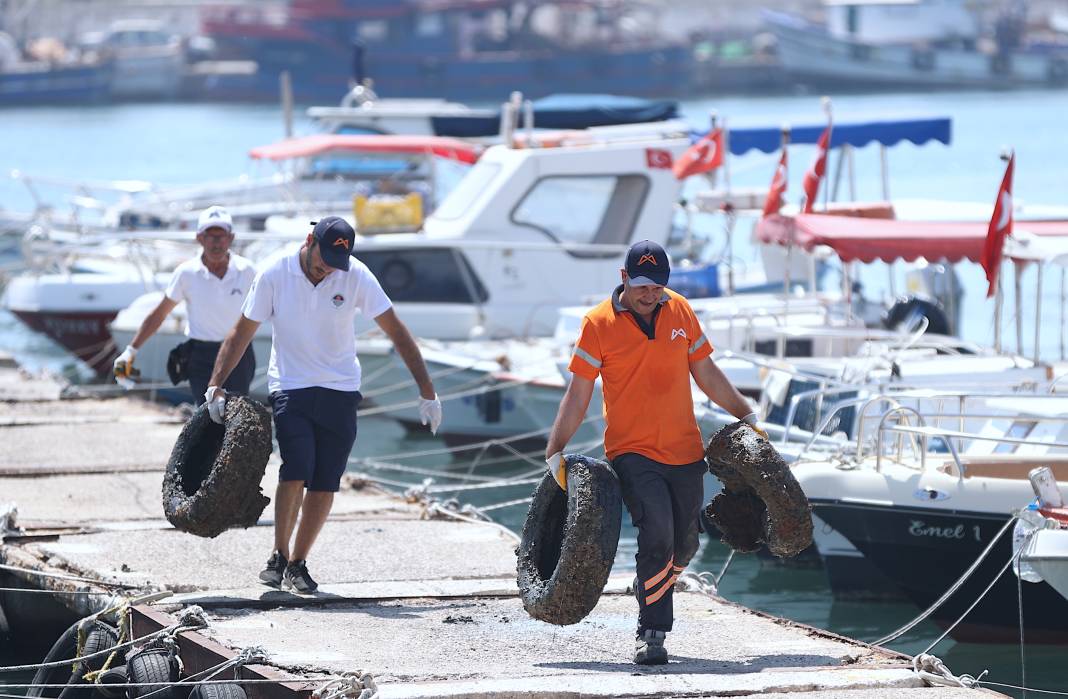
point(178, 144)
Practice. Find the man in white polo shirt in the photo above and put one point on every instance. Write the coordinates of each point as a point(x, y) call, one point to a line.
point(213, 285)
point(312, 296)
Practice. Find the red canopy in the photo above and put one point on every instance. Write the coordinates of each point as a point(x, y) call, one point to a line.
point(305, 146)
point(868, 239)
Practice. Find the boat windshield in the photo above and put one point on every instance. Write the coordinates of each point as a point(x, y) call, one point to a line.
point(468, 191)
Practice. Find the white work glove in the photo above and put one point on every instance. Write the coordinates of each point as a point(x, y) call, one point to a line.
point(123, 366)
point(215, 397)
point(430, 413)
point(557, 469)
point(751, 420)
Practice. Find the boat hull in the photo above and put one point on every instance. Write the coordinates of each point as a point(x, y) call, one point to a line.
point(83, 334)
point(924, 552)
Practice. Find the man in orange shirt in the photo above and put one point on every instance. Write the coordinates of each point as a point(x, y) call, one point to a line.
point(645, 342)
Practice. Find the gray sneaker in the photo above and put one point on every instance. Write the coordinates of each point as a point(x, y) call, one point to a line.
point(297, 576)
point(649, 648)
point(276, 568)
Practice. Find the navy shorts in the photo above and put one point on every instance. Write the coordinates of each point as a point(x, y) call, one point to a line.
point(315, 428)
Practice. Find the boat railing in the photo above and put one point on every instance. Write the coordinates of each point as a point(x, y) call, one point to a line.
point(922, 434)
point(897, 398)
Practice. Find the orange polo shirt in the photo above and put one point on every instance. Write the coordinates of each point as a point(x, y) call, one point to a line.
point(645, 377)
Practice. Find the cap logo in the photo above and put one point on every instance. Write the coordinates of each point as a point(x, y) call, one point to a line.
point(342, 242)
point(646, 258)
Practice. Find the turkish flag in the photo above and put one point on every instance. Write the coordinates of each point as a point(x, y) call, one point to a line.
point(1000, 228)
point(814, 174)
point(658, 158)
point(703, 156)
point(778, 188)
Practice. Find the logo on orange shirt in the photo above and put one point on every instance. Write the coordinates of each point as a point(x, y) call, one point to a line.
point(646, 258)
point(678, 332)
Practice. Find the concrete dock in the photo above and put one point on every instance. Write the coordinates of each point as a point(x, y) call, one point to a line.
point(416, 605)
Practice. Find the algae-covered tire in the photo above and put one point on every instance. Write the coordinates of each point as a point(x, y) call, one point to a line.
point(218, 691)
point(213, 478)
point(750, 466)
point(148, 667)
point(569, 542)
point(740, 518)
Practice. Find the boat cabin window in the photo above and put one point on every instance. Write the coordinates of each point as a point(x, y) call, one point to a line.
point(425, 275)
point(588, 210)
point(468, 191)
point(1018, 430)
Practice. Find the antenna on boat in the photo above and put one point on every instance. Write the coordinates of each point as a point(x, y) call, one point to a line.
point(285, 85)
point(510, 118)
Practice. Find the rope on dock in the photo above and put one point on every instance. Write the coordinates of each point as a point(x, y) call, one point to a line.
point(357, 685)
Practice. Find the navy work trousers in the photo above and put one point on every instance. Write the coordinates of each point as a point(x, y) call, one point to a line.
point(665, 505)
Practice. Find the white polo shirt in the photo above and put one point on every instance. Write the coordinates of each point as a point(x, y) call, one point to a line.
point(212, 305)
point(313, 341)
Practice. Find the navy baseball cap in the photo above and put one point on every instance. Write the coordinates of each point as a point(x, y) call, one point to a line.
point(647, 264)
point(336, 240)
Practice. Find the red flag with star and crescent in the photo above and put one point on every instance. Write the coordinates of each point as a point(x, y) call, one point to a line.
point(703, 156)
point(1000, 228)
point(778, 188)
point(814, 174)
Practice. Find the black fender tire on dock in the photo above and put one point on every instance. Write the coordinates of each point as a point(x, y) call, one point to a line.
point(569, 542)
point(99, 637)
point(151, 665)
point(218, 691)
point(761, 501)
point(65, 647)
point(213, 478)
point(114, 675)
point(912, 306)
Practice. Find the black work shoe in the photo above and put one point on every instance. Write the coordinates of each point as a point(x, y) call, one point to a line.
point(276, 568)
point(649, 648)
point(297, 576)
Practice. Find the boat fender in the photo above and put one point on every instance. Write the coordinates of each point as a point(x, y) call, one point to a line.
point(761, 501)
point(212, 482)
point(151, 665)
point(1057, 71)
point(112, 676)
point(99, 637)
point(907, 310)
point(569, 542)
point(218, 691)
point(66, 646)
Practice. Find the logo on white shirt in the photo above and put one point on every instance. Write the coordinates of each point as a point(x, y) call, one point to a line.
point(678, 332)
point(236, 292)
point(338, 300)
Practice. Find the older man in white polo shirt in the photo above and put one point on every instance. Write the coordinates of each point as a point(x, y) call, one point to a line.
point(213, 285)
point(312, 296)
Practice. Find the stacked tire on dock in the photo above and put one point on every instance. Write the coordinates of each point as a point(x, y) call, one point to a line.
point(82, 665)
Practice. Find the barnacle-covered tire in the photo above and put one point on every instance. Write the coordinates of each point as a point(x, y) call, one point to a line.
point(213, 478)
point(752, 472)
point(569, 542)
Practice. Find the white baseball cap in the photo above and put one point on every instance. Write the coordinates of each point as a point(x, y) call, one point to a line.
point(214, 217)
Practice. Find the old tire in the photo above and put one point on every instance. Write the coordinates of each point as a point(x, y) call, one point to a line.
point(99, 637)
point(218, 691)
point(213, 478)
point(65, 647)
point(569, 542)
point(149, 666)
point(751, 470)
point(115, 675)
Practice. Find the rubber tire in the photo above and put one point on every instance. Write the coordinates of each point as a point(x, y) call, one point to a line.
point(114, 675)
point(213, 477)
point(100, 637)
point(569, 542)
point(152, 665)
point(748, 465)
point(903, 309)
point(218, 691)
point(65, 647)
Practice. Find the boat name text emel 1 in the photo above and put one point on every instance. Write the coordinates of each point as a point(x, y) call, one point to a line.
point(919, 528)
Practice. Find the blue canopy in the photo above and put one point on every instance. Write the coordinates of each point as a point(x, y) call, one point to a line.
point(885, 131)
